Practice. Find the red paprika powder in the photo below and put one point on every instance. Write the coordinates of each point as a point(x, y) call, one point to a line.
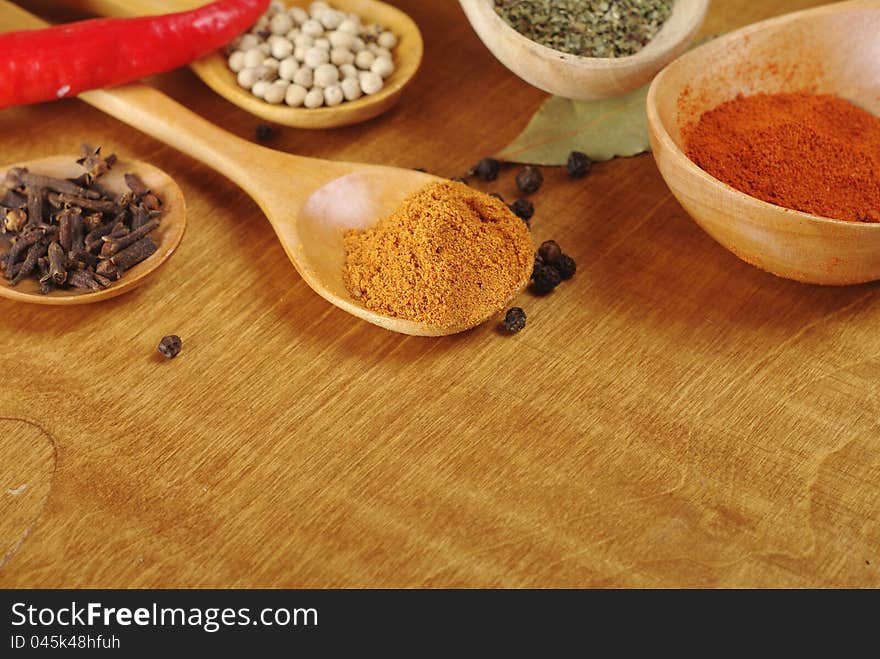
point(814, 153)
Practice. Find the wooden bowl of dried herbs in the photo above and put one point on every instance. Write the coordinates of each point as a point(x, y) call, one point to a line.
point(586, 49)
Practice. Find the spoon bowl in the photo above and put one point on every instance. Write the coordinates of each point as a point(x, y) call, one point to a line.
point(584, 78)
point(831, 50)
point(167, 236)
point(215, 72)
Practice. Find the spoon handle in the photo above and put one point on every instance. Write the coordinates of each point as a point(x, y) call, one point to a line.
point(150, 111)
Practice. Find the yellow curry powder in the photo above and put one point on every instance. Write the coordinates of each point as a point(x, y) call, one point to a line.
point(449, 256)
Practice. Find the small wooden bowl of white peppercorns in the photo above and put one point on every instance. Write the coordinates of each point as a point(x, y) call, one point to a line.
point(298, 42)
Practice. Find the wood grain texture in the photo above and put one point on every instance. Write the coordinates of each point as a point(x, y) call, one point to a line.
point(672, 417)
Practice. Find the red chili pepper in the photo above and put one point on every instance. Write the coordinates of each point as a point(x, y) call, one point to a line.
point(42, 65)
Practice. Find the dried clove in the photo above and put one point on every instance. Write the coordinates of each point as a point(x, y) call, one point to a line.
point(57, 263)
point(30, 262)
point(131, 256)
point(114, 245)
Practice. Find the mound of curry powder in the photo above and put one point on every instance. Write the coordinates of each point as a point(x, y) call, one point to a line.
point(449, 256)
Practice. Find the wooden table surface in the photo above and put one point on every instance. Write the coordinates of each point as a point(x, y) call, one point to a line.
point(672, 417)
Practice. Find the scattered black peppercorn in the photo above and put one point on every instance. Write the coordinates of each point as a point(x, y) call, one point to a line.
point(579, 164)
point(565, 266)
point(487, 169)
point(523, 209)
point(546, 279)
point(460, 179)
point(550, 252)
point(530, 179)
point(170, 346)
point(497, 196)
point(264, 133)
point(514, 320)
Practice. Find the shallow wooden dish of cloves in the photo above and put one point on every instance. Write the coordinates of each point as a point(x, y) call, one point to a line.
point(834, 49)
point(167, 236)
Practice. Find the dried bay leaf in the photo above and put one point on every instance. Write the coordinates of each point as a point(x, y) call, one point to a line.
point(603, 130)
point(606, 129)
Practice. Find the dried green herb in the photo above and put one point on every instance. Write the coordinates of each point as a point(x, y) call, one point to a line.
point(587, 28)
point(601, 129)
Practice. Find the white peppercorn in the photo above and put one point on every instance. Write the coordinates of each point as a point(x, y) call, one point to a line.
point(332, 19)
point(313, 28)
point(348, 71)
point(387, 40)
point(260, 88)
point(288, 68)
point(298, 14)
point(340, 56)
point(299, 53)
point(271, 63)
point(383, 67)
point(333, 95)
point(370, 82)
point(381, 52)
point(236, 61)
point(315, 57)
point(280, 23)
point(281, 49)
point(304, 40)
point(326, 75)
point(351, 89)
point(253, 58)
point(364, 60)
point(276, 92)
point(322, 43)
point(315, 98)
point(296, 95)
point(358, 45)
point(247, 78)
point(349, 26)
point(304, 77)
point(247, 41)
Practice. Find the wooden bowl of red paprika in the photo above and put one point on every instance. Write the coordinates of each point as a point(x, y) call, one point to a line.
point(832, 50)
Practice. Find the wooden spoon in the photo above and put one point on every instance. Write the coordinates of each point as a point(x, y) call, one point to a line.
point(167, 236)
point(584, 78)
point(215, 72)
point(309, 202)
point(827, 50)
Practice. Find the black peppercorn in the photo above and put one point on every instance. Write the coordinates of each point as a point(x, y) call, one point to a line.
point(263, 133)
point(170, 346)
point(579, 164)
point(546, 279)
point(529, 180)
point(565, 266)
point(514, 320)
point(550, 252)
point(487, 169)
point(536, 267)
point(523, 209)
